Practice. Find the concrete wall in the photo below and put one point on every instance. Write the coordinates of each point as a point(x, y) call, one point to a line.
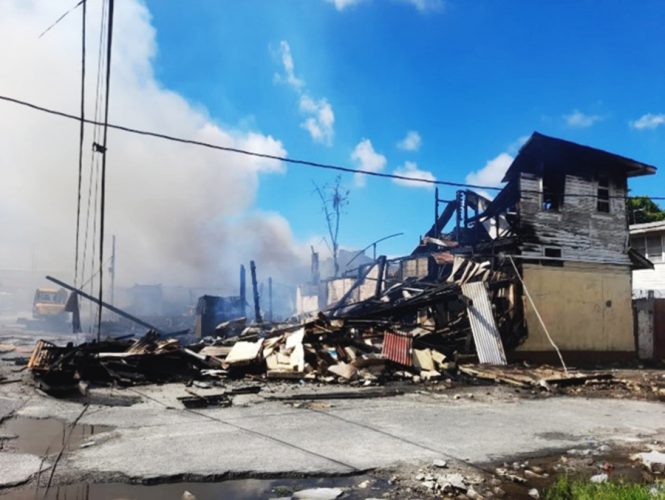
point(644, 317)
point(586, 307)
point(306, 303)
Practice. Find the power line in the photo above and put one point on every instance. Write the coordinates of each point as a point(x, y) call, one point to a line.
point(81, 2)
point(246, 152)
point(284, 159)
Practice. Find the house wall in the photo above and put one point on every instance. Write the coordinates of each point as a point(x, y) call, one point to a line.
point(647, 279)
point(586, 307)
point(577, 228)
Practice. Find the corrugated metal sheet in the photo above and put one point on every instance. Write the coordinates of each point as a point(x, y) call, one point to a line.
point(485, 333)
point(397, 347)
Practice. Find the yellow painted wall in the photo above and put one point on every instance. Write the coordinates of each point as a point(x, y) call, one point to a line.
point(572, 301)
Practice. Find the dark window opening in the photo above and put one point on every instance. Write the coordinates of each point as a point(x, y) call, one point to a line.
point(553, 257)
point(655, 248)
point(603, 202)
point(638, 243)
point(553, 187)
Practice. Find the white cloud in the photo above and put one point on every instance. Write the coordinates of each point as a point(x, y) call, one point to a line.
point(411, 141)
point(321, 120)
point(343, 4)
point(648, 121)
point(410, 169)
point(366, 159)
point(492, 173)
point(289, 77)
point(319, 115)
point(515, 146)
point(426, 5)
point(182, 214)
point(420, 5)
point(577, 119)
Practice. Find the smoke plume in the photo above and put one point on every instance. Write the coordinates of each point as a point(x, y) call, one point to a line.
point(182, 215)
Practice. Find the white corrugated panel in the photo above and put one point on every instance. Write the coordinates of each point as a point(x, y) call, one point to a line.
point(485, 333)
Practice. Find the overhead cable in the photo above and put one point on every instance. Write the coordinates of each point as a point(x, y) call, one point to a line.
point(81, 2)
point(285, 159)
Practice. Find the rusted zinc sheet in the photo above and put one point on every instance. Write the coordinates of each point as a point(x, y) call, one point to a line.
point(397, 347)
point(485, 333)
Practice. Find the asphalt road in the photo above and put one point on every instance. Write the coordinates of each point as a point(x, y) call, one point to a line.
point(156, 439)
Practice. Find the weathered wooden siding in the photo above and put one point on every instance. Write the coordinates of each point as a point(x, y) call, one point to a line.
point(581, 232)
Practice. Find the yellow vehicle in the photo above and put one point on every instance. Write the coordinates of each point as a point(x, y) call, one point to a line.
point(49, 304)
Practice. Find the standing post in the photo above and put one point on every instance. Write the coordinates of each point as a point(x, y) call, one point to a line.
point(243, 292)
point(316, 275)
point(255, 291)
point(112, 271)
point(436, 213)
point(270, 299)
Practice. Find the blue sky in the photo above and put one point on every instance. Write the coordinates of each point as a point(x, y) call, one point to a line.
point(471, 78)
point(334, 81)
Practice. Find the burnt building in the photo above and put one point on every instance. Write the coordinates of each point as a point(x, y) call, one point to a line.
point(562, 219)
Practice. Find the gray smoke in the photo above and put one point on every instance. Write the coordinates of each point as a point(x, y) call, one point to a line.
point(182, 215)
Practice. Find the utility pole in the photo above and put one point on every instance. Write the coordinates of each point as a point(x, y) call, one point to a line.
point(112, 271)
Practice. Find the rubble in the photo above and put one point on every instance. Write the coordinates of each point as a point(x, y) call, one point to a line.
point(653, 460)
point(410, 328)
point(544, 377)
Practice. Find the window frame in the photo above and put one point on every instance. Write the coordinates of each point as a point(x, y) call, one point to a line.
point(603, 186)
point(655, 258)
point(644, 250)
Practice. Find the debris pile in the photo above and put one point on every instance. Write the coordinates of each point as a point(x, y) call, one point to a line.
point(415, 328)
point(544, 377)
point(147, 360)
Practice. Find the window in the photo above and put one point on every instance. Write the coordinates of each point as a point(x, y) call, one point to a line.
point(603, 202)
point(638, 243)
point(553, 187)
point(554, 254)
point(655, 248)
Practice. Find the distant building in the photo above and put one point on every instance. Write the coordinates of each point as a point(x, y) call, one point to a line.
point(649, 240)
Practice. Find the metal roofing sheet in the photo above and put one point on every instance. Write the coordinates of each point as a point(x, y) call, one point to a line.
point(485, 332)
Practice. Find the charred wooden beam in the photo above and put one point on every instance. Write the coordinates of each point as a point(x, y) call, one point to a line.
point(255, 292)
point(106, 305)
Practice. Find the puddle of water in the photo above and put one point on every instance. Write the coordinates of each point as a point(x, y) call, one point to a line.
point(251, 489)
point(39, 436)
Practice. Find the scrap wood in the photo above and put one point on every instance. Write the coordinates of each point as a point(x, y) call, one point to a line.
point(530, 377)
point(373, 393)
point(198, 401)
point(4, 348)
point(244, 352)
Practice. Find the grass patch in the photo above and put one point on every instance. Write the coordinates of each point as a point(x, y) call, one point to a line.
point(567, 489)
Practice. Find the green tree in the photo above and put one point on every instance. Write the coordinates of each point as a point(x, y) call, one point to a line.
point(644, 209)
